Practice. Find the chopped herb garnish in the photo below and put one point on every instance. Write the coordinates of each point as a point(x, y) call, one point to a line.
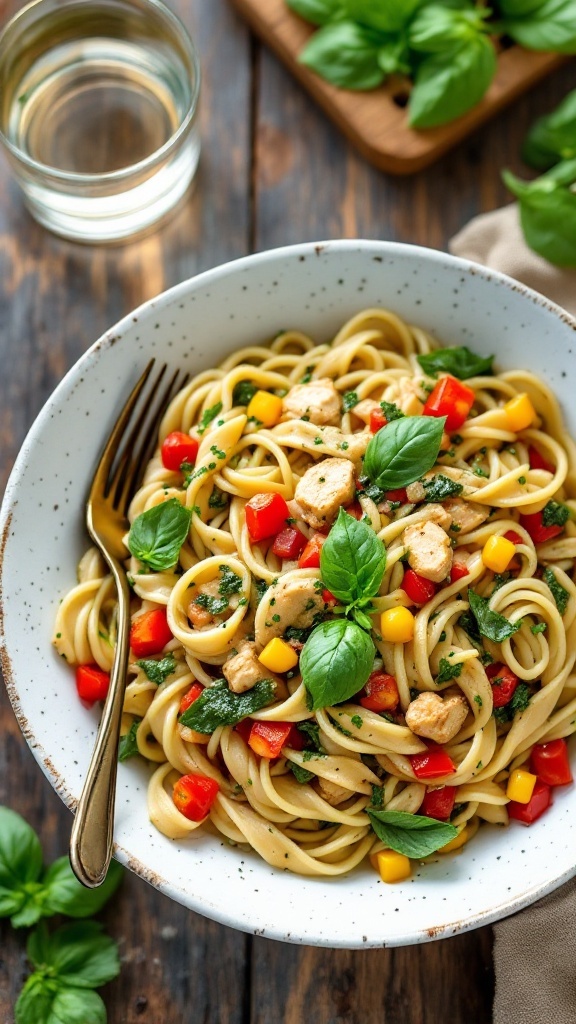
point(538, 627)
point(158, 671)
point(128, 745)
point(302, 775)
point(218, 499)
point(555, 514)
point(357, 721)
point(208, 415)
point(230, 581)
point(391, 411)
point(441, 487)
point(559, 593)
point(217, 705)
point(447, 671)
point(214, 605)
point(243, 392)
point(349, 400)
point(519, 702)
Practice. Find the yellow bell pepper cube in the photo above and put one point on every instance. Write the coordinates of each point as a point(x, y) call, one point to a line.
point(497, 553)
point(397, 625)
point(457, 842)
point(391, 866)
point(265, 407)
point(521, 786)
point(278, 656)
point(520, 412)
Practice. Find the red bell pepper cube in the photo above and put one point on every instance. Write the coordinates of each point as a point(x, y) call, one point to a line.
point(534, 524)
point(177, 448)
point(549, 761)
point(268, 738)
point(438, 803)
point(511, 535)
point(452, 399)
point(377, 420)
point(310, 557)
point(189, 697)
point(355, 509)
point(328, 597)
point(266, 514)
point(150, 633)
point(296, 739)
point(244, 728)
point(418, 588)
point(92, 683)
point(432, 763)
point(458, 572)
point(504, 683)
point(539, 802)
point(537, 461)
point(194, 795)
point(398, 495)
point(289, 543)
point(380, 693)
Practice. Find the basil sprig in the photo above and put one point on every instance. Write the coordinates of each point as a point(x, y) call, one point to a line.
point(548, 212)
point(459, 361)
point(491, 624)
point(157, 535)
point(404, 451)
point(552, 137)
point(217, 705)
point(336, 661)
point(352, 561)
point(414, 835)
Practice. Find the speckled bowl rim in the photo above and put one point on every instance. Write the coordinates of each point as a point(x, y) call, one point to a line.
point(114, 335)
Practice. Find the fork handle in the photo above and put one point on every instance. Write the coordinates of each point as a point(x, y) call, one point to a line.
point(93, 827)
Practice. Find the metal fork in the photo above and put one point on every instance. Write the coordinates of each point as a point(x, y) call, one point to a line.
point(117, 477)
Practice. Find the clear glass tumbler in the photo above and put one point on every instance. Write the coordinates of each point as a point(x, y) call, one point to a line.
point(98, 113)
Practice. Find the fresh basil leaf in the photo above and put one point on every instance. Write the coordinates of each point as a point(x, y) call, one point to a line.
point(391, 411)
point(547, 217)
point(447, 670)
point(437, 28)
point(382, 15)
point(559, 593)
point(405, 450)
point(353, 560)
point(553, 137)
point(20, 851)
point(128, 744)
point(459, 361)
point(311, 730)
point(555, 514)
point(302, 775)
point(414, 835)
point(11, 901)
point(362, 618)
point(344, 54)
point(336, 661)
point(157, 535)
point(65, 894)
point(79, 954)
point(449, 83)
point(31, 908)
point(34, 1004)
point(244, 390)
point(157, 671)
point(491, 624)
point(393, 56)
point(318, 12)
point(217, 705)
point(551, 26)
point(77, 1006)
point(518, 8)
point(441, 487)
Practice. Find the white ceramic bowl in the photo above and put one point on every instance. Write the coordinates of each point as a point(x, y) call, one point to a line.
point(314, 288)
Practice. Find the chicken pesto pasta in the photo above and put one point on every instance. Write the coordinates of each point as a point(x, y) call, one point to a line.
point(353, 601)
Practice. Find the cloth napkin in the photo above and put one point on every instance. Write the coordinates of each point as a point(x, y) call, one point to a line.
point(534, 950)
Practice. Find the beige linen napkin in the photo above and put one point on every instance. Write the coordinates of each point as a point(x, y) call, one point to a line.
point(535, 950)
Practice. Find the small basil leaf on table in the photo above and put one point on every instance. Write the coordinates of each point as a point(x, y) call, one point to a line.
point(414, 835)
point(551, 26)
point(458, 361)
point(491, 624)
point(449, 83)
point(217, 705)
point(553, 137)
point(403, 451)
point(157, 535)
point(547, 216)
point(65, 894)
point(344, 54)
point(352, 560)
point(318, 12)
point(336, 661)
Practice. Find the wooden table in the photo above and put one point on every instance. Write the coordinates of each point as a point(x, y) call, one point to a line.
point(274, 171)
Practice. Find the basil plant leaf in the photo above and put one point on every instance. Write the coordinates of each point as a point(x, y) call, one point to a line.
point(518, 8)
point(336, 661)
point(449, 83)
point(551, 26)
point(403, 451)
point(79, 954)
point(77, 1006)
point(459, 361)
point(157, 535)
point(382, 15)
point(437, 28)
point(65, 894)
point(318, 12)
point(20, 851)
point(547, 217)
point(217, 705)
point(491, 624)
point(414, 835)
point(345, 55)
point(553, 137)
point(34, 1004)
point(353, 560)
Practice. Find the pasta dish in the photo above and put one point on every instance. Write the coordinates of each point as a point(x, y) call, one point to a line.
point(352, 574)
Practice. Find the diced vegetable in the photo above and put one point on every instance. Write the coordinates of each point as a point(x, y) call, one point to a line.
point(266, 515)
point(439, 803)
point(520, 412)
point(432, 763)
point(460, 840)
point(504, 684)
point(177, 448)
point(452, 399)
point(278, 656)
point(265, 407)
point(380, 693)
point(397, 625)
point(189, 697)
point(537, 461)
point(268, 738)
point(289, 543)
point(194, 795)
point(418, 588)
point(514, 537)
point(458, 572)
point(520, 786)
point(310, 557)
point(355, 509)
point(150, 633)
point(377, 420)
point(92, 683)
point(391, 866)
point(398, 495)
point(328, 597)
point(539, 802)
point(541, 531)
point(550, 762)
point(497, 553)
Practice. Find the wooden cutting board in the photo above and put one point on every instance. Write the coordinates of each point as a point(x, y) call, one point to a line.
point(375, 121)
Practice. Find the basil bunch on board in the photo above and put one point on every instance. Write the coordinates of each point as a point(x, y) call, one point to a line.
point(339, 654)
point(404, 451)
point(414, 835)
point(157, 535)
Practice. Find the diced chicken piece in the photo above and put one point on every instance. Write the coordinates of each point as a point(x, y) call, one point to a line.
point(406, 393)
point(364, 409)
point(201, 616)
point(466, 515)
point(436, 718)
point(435, 513)
point(319, 402)
point(352, 446)
point(294, 601)
point(191, 736)
point(243, 670)
point(332, 793)
point(467, 480)
point(323, 489)
point(429, 550)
